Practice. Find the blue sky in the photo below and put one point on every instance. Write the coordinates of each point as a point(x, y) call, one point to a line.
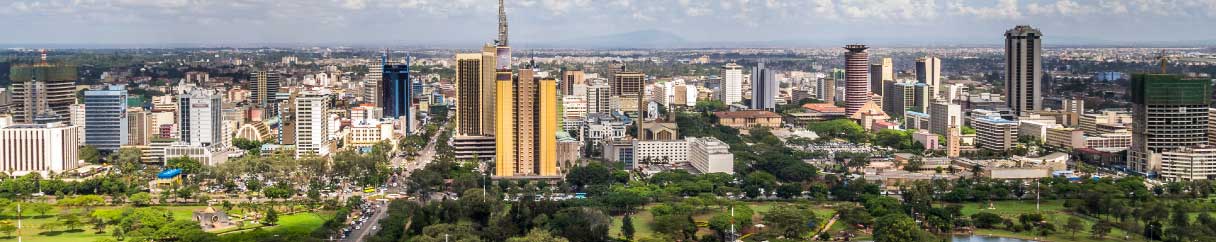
point(430, 22)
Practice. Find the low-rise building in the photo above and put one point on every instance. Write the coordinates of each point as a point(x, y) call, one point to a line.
point(1191, 163)
point(916, 120)
point(995, 133)
point(660, 151)
point(749, 118)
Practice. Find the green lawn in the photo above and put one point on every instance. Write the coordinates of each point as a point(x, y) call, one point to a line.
point(643, 218)
point(293, 223)
point(1055, 213)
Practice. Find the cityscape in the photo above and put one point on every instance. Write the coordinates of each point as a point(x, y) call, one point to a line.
point(744, 121)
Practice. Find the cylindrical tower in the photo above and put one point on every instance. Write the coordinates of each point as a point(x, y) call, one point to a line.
point(857, 87)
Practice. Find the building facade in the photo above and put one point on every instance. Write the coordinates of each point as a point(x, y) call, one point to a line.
point(764, 88)
point(1023, 65)
point(857, 85)
point(200, 117)
point(1169, 112)
point(43, 148)
point(732, 84)
point(710, 155)
point(105, 122)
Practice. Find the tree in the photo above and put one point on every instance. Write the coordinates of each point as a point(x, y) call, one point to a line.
point(538, 235)
point(1074, 224)
point(591, 174)
point(1100, 229)
point(581, 224)
point(272, 217)
point(141, 199)
point(791, 221)
point(897, 227)
point(986, 220)
point(40, 208)
point(190, 167)
point(627, 227)
point(90, 154)
point(789, 190)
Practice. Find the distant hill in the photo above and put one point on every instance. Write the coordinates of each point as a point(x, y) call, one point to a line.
point(636, 39)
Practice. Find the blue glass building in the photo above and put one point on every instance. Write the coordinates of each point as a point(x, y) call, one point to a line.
point(396, 94)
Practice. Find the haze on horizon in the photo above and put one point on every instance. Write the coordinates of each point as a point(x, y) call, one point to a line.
point(471, 22)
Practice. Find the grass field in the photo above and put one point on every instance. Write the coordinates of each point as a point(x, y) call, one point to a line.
point(293, 223)
point(643, 218)
point(1055, 213)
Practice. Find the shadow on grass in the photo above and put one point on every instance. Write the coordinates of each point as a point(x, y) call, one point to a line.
point(55, 233)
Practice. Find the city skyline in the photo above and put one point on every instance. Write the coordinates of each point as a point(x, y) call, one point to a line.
point(583, 23)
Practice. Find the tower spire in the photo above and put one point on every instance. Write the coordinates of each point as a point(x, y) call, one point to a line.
point(502, 23)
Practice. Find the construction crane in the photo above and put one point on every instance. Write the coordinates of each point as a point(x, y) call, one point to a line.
point(1163, 59)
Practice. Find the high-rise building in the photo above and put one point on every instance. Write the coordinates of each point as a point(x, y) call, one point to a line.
point(105, 125)
point(396, 96)
point(857, 87)
point(599, 98)
point(764, 88)
point(826, 90)
point(904, 96)
point(489, 70)
point(571, 78)
point(312, 123)
point(627, 87)
point(929, 72)
point(1169, 112)
point(469, 94)
point(42, 93)
point(943, 115)
point(139, 124)
point(262, 88)
point(994, 133)
point(1023, 65)
point(732, 84)
point(527, 125)
point(883, 71)
point(200, 117)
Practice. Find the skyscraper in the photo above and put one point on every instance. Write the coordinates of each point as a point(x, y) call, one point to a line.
point(489, 71)
point(262, 86)
point(1169, 112)
point(42, 93)
point(929, 72)
point(139, 124)
point(396, 96)
point(105, 123)
point(732, 84)
point(469, 94)
point(857, 88)
point(764, 88)
point(200, 117)
point(1023, 63)
point(599, 99)
point(527, 125)
point(879, 73)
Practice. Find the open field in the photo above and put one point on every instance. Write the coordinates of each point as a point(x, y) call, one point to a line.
point(293, 223)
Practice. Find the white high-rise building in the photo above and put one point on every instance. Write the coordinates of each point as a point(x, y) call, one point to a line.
point(943, 115)
point(201, 117)
point(732, 84)
point(312, 124)
point(599, 98)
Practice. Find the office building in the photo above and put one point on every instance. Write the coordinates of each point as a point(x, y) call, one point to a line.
point(599, 99)
point(139, 125)
point(200, 117)
point(262, 88)
point(903, 96)
point(42, 93)
point(929, 72)
point(105, 122)
point(1023, 65)
point(764, 88)
point(571, 78)
point(627, 88)
point(826, 90)
point(732, 84)
point(709, 155)
point(943, 115)
point(660, 151)
point(469, 94)
point(396, 92)
point(42, 148)
point(995, 133)
point(857, 86)
point(526, 139)
point(311, 123)
point(1169, 112)
point(884, 71)
point(1189, 163)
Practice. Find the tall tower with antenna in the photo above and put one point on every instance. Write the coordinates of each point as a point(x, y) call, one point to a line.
point(502, 24)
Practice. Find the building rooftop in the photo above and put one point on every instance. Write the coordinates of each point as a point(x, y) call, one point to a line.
point(823, 108)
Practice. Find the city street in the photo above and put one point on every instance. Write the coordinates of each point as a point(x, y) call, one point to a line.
point(424, 157)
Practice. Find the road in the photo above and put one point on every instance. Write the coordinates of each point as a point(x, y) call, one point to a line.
point(408, 166)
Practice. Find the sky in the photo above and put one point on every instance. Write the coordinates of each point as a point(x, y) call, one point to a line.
point(470, 22)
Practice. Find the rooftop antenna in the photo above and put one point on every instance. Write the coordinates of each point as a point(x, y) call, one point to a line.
point(502, 23)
